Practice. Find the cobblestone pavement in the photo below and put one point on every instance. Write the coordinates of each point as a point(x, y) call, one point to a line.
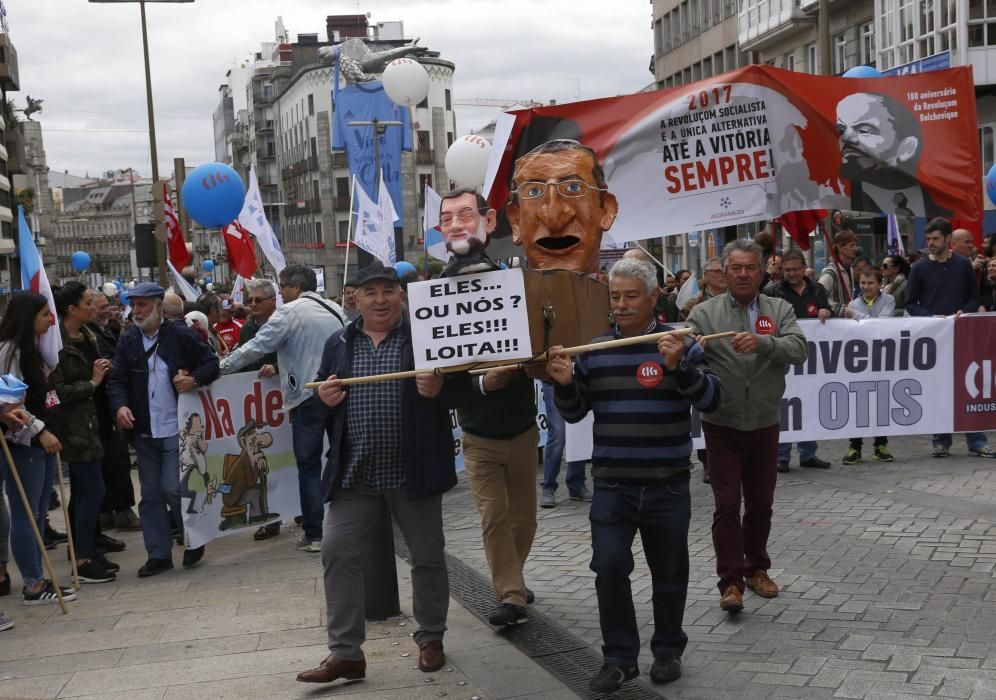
point(886, 573)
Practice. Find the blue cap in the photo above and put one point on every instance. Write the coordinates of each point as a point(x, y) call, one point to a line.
point(147, 290)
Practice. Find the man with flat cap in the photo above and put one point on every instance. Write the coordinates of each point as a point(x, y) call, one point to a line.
point(157, 359)
point(390, 451)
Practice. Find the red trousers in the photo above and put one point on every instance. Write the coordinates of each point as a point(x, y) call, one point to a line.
point(741, 464)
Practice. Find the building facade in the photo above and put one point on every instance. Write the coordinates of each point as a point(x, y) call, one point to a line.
point(285, 131)
point(11, 161)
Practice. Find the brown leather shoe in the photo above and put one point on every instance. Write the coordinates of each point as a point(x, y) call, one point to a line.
point(761, 583)
point(430, 656)
point(732, 600)
point(332, 669)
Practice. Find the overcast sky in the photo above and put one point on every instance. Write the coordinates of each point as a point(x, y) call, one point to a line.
point(85, 61)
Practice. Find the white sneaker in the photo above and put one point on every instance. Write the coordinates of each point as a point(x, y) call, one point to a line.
point(983, 452)
point(306, 545)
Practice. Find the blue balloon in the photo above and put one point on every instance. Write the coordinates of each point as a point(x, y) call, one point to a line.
point(80, 260)
point(862, 72)
point(991, 184)
point(213, 194)
point(208, 265)
point(404, 268)
point(125, 298)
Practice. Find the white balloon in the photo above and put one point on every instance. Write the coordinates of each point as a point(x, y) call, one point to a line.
point(210, 286)
point(467, 160)
point(405, 81)
point(131, 285)
point(109, 289)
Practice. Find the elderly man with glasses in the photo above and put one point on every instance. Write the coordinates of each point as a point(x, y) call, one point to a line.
point(560, 206)
point(297, 332)
point(261, 296)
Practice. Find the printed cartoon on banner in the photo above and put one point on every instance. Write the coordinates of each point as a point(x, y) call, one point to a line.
point(759, 142)
point(237, 466)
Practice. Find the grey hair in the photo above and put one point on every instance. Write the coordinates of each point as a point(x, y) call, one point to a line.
point(261, 284)
point(638, 269)
point(742, 245)
point(299, 276)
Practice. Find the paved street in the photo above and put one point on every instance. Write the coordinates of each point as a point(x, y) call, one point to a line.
point(887, 592)
point(886, 575)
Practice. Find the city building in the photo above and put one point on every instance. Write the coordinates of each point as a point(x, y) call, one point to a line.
point(12, 157)
point(99, 217)
point(285, 130)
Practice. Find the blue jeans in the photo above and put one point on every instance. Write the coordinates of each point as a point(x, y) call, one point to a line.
point(307, 432)
point(37, 473)
point(87, 482)
point(975, 441)
point(553, 453)
point(807, 450)
point(159, 479)
point(661, 513)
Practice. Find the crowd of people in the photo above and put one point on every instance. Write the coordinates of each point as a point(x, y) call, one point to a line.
point(120, 371)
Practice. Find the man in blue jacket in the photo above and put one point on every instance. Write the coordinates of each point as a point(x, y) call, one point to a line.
point(157, 359)
point(390, 449)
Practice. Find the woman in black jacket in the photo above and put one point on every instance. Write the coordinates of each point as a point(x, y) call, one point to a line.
point(33, 447)
point(76, 379)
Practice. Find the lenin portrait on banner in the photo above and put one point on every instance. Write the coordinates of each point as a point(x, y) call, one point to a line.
point(880, 146)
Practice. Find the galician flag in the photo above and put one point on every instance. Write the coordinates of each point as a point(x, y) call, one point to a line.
point(33, 277)
point(435, 244)
point(253, 219)
point(387, 215)
point(371, 231)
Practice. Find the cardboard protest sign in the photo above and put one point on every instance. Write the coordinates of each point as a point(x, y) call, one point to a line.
point(759, 142)
point(468, 319)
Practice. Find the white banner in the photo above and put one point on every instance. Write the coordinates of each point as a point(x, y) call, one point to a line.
point(470, 318)
point(237, 466)
point(878, 377)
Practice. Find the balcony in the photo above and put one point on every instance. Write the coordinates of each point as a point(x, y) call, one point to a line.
point(424, 157)
point(764, 23)
point(339, 160)
point(10, 80)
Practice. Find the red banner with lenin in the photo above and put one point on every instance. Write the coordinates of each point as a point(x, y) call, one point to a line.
point(759, 142)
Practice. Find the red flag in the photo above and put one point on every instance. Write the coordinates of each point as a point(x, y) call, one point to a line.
point(800, 223)
point(241, 251)
point(176, 246)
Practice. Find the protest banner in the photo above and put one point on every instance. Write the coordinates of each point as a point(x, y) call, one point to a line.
point(879, 377)
point(237, 466)
point(471, 318)
point(759, 142)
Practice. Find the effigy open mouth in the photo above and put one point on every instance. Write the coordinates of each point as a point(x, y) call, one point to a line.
point(558, 242)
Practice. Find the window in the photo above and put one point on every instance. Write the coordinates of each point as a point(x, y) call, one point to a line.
point(343, 233)
point(839, 53)
point(788, 63)
point(448, 97)
point(424, 150)
point(311, 105)
point(683, 10)
point(314, 147)
point(987, 146)
point(981, 23)
point(867, 44)
point(342, 190)
point(659, 38)
point(693, 11)
point(318, 232)
point(665, 34)
point(812, 59)
point(316, 190)
point(707, 13)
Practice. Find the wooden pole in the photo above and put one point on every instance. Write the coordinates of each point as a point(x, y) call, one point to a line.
point(34, 525)
point(65, 514)
point(576, 350)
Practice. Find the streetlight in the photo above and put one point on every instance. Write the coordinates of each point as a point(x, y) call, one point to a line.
point(157, 206)
point(379, 128)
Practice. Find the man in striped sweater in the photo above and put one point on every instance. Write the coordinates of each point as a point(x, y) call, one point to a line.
point(641, 396)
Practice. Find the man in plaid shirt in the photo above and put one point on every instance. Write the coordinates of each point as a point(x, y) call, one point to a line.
point(390, 448)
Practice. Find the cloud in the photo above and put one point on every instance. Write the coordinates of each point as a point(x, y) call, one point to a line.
point(85, 61)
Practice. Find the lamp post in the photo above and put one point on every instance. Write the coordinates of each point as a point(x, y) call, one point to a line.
point(380, 127)
point(157, 202)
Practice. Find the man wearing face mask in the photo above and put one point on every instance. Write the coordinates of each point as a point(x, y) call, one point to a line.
point(498, 417)
point(157, 359)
